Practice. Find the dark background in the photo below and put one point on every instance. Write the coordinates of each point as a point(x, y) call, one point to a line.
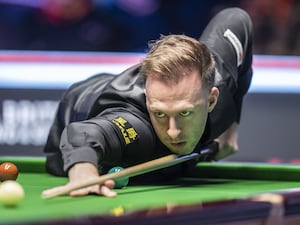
point(127, 25)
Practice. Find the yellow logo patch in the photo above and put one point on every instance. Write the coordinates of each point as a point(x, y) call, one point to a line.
point(128, 132)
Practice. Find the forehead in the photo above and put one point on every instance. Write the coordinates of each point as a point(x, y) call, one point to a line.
point(188, 89)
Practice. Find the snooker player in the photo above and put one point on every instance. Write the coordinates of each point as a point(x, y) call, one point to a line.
point(183, 96)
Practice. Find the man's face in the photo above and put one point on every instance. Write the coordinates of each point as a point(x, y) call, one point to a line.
point(178, 112)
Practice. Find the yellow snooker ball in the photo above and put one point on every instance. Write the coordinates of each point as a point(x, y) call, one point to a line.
point(11, 193)
point(117, 211)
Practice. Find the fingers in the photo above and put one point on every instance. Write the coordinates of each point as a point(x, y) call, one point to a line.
point(84, 171)
point(107, 189)
point(81, 192)
point(104, 189)
point(107, 192)
point(54, 190)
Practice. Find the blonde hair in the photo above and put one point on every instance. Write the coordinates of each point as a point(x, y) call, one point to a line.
point(174, 56)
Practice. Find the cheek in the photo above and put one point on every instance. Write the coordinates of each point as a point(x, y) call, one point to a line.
point(196, 127)
point(156, 125)
point(193, 129)
point(159, 128)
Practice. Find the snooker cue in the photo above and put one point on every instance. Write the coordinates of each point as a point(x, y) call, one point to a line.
point(132, 171)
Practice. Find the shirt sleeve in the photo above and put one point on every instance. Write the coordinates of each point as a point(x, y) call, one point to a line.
point(116, 137)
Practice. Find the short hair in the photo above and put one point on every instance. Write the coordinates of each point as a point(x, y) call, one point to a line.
point(173, 56)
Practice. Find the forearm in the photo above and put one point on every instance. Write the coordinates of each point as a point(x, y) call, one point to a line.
point(87, 142)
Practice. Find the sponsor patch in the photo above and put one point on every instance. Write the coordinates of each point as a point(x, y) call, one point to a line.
point(128, 132)
point(236, 44)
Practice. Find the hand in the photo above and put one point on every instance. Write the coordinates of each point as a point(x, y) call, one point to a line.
point(83, 171)
point(227, 142)
point(225, 150)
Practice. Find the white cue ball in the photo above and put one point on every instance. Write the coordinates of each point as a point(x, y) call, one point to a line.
point(11, 193)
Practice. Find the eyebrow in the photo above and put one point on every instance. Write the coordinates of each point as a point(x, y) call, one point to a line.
point(189, 108)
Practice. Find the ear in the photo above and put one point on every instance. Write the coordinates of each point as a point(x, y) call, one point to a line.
point(213, 98)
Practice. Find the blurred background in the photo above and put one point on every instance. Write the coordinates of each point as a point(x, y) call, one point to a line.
point(46, 45)
point(127, 25)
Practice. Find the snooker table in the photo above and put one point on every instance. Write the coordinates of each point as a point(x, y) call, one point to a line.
point(211, 193)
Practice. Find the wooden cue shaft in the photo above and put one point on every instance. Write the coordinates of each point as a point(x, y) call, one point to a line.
point(139, 169)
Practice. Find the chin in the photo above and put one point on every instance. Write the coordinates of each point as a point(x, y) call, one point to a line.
point(186, 152)
point(181, 151)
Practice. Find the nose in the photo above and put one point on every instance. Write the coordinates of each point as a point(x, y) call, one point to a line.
point(173, 130)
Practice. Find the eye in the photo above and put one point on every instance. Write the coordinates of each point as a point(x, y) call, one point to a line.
point(159, 114)
point(185, 113)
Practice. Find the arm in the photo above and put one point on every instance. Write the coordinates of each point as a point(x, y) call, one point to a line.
point(83, 145)
point(89, 145)
point(227, 142)
point(85, 171)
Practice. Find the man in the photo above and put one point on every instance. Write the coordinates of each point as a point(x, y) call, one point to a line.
point(184, 95)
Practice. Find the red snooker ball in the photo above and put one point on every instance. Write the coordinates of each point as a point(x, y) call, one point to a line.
point(8, 171)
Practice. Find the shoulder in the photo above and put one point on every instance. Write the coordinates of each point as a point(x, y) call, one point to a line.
point(128, 78)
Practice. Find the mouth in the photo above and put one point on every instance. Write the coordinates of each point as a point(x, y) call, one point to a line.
point(177, 144)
